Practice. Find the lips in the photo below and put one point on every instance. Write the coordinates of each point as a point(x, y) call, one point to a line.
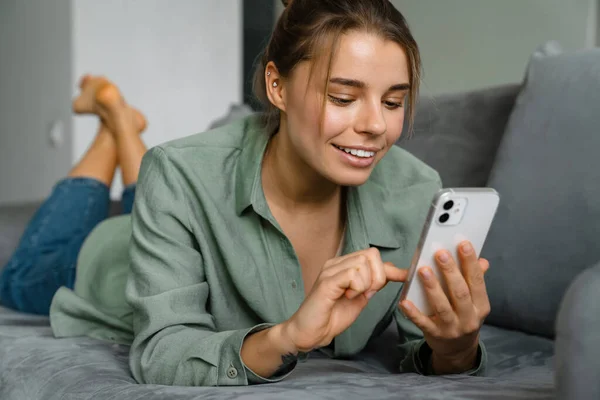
point(360, 159)
point(362, 152)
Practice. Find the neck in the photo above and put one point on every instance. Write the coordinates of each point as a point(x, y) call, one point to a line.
point(293, 185)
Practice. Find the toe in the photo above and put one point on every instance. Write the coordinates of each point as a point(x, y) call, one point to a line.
point(140, 120)
point(84, 80)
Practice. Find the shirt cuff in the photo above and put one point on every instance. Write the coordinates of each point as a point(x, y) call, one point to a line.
point(424, 354)
point(419, 360)
point(238, 373)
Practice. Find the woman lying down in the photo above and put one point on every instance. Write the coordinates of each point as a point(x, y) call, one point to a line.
point(268, 238)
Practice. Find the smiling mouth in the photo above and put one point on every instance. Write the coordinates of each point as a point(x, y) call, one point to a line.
point(356, 152)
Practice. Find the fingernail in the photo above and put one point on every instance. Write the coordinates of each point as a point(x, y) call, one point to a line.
point(426, 273)
point(466, 248)
point(406, 306)
point(444, 257)
point(370, 293)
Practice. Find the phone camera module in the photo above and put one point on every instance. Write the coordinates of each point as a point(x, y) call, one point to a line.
point(448, 205)
point(444, 218)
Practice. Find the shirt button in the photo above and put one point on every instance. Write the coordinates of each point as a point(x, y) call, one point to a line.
point(294, 285)
point(232, 373)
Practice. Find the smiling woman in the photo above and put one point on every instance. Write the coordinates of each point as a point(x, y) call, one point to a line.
point(284, 234)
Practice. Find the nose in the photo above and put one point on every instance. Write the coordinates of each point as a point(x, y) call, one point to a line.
point(371, 119)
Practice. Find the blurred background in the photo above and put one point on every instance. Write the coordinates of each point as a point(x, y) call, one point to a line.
point(184, 63)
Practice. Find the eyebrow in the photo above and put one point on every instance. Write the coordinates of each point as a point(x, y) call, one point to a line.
point(361, 85)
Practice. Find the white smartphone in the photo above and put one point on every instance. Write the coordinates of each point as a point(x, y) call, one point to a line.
point(455, 215)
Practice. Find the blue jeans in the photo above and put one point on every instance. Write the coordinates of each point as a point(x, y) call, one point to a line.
point(46, 256)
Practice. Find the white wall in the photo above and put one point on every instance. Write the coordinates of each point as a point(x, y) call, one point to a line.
point(468, 44)
point(35, 78)
point(594, 24)
point(180, 62)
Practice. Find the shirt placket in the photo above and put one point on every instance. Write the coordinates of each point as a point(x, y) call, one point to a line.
point(286, 268)
point(291, 277)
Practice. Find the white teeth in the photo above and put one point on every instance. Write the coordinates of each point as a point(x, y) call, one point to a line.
point(358, 153)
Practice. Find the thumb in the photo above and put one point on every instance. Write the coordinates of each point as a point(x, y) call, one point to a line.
point(393, 273)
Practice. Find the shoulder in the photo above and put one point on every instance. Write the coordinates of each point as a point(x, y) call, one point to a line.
point(202, 168)
point(400, 170)
point(226, 138)
point(207, 154)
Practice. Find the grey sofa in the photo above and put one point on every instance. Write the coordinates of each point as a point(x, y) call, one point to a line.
point(468, 138)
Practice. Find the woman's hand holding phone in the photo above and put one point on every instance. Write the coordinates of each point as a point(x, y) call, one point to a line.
point(452, 332)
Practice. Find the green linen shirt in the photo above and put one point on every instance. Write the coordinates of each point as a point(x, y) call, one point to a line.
point(202, 262)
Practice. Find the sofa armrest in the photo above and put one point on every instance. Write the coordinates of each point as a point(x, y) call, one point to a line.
point(578, 338)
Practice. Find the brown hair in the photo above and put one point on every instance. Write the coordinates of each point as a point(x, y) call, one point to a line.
point(307, 28)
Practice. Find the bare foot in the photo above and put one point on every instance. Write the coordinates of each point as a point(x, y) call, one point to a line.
point(85, 103)
point(101, 97)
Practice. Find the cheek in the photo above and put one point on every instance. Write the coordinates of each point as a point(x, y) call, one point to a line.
point(395, 123)
point(337, 121)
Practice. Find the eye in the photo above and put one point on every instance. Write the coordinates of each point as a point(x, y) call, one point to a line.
point(339, 101)
point(392, 105)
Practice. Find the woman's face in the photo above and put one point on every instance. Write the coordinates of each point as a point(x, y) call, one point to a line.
point(364, 110)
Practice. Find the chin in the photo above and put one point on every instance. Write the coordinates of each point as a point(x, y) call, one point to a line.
point(354, 178)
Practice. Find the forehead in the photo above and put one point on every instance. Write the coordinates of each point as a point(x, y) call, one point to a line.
point(370, 59)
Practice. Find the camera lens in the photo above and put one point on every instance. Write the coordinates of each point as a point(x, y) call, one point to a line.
point(448, 205)
point(444, 217)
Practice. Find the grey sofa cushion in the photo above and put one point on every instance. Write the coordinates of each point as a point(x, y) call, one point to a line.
point(547, 171)
point(577, 331)
point(34, 365)
point(458, 134)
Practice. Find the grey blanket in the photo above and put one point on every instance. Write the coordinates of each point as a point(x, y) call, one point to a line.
point(34, 365)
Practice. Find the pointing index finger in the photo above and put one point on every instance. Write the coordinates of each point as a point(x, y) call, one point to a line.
point(393, 273)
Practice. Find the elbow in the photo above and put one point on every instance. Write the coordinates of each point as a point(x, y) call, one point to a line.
point(147, 371)
point(150, 373)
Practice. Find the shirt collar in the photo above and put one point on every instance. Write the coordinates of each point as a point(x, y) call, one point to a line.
point(366, 222)
point(248, 179)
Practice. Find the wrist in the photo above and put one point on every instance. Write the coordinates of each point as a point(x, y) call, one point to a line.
point(281, 339)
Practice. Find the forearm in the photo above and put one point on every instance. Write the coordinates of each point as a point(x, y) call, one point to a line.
point(268, 351)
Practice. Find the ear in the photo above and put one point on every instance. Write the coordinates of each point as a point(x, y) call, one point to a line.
point(275, 86)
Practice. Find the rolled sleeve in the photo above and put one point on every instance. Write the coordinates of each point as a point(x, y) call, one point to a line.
point(418, 359)
point(231, 368)
point(251, 376)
